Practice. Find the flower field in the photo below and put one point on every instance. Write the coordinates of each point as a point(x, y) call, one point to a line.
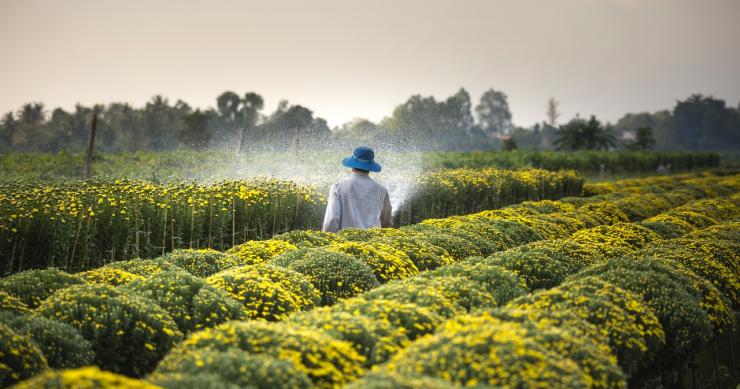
point(80, 225)
point(619, 288)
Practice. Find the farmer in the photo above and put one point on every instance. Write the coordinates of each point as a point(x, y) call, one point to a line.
point(358, 201)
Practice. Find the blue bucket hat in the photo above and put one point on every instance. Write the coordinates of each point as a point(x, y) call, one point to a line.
point(362, 158)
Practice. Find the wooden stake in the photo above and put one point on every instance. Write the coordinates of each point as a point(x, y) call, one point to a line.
point(90, 145)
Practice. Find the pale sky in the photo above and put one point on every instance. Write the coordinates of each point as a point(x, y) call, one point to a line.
point(345, 58)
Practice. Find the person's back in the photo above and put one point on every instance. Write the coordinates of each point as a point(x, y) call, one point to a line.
point(358, 201)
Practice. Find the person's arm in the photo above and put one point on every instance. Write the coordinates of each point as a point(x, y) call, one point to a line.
point(333, 214)
point(385, 214)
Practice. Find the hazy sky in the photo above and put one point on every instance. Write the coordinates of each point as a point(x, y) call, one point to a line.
point(346, 59)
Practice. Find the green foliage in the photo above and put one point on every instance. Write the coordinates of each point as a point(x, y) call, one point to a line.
point(129, 334)
point(335, 275)
point(232, 368)
point(34, 286)
point(20, 358)
point(61, 344)
point(191, 302)
point(326, 361)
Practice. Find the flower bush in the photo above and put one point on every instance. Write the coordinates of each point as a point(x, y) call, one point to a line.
point(191, 302)
point(34, 286)
point(476, 225)
point(717, 307)
point(335, 275)
point(471, 350)
point(364, 235)
point(309, 238)
point(394, 380)
point(144, 267)
point(502, 284)
point(700, 257)
point(61, 344)
point(201, 263)
point(470, 243)
point(424, 255)
point(20, 358)
point(409, 293)
point(616, 238)
point(261, 297)
point(305, 294)
point(108, 276)
point(537, 269)
point(592, 356)
point(129, 334)
point(376, 340)
point(85, 377)
point(326, 361)
point(729, 231)
point(230, 368)
point(604, 212)
point(387, 262)
point(632, 329)
point(9, 303)
point(685, 324)
point(414, 319)
point(256, 252)
point(437, 293)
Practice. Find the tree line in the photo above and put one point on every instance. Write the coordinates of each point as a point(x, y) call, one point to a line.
point(421, 123)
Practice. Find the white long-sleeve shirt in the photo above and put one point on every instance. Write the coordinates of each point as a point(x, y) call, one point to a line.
point(357, 201)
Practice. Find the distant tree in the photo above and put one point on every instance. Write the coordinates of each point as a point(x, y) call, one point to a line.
point(579, 134)
point(291, 125)
point(251, 105)
point(30, 128)
point(509, 144)
point(194, 131)
point(493, 113)
point(705, 123)
point(360, 131)
point(7, 128)
point(643, 139)
point(425, 123)
point(125, 122)
point(552, 112)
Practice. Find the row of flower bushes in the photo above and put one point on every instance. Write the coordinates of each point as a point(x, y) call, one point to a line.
point(269, 280)
point(82, 225)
